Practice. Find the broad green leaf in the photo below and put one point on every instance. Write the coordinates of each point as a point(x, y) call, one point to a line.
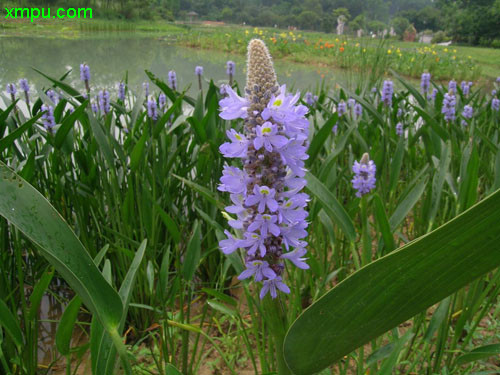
point(394, 288)
point(331, 205)
point(32, 214)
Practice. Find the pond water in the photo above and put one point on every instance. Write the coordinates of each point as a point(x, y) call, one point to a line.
point(110, 56)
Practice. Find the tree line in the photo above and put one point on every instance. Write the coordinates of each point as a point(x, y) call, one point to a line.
point(466, 21)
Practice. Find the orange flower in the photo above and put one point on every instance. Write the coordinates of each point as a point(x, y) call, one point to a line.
point(341, 49)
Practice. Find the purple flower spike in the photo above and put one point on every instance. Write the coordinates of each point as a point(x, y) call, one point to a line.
point(266, 193)
point(387, 92)
point(198, 70)
point(84, 72)
point(364, 175)
point(145, 87)
point(272, 286)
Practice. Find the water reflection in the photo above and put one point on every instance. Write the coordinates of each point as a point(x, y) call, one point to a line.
point(111, 56)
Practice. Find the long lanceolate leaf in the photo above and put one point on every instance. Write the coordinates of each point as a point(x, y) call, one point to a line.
point(394, 288)
point(23, 206)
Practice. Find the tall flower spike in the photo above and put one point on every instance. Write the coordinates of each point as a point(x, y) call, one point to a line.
point(266, 197)
point(24, 85)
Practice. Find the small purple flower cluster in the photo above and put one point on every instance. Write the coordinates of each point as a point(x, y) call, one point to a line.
point(172, 80)
point(48, 117)
point(230, 70)
point(85, 76)
point(53, 96)
point(448, 109)
point(11, 89)
point(104, 103)
point(468, 112)
point(266, 194)
point(387, 92)
point(399, 129)
point(23, 84)
point(162, 100)
point(310, 99)
point(152, 109)
point(364, 175)
point(465, 86)
point(452, 87)
point(341, 108)
point(145, 87)
point(199, 72)
point(425, 83)
point(433, 94)
point(495, 104)
point(121, 91)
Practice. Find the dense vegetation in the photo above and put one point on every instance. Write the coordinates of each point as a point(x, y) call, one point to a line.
point(473, 22)
point(135, 175)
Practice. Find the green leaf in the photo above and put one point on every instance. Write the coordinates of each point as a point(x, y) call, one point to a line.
point(479, 353)
point(171, 370)
point(138, 151)
point(32, 214)
point(66, 325)
point(193, 253)
point(394, 288)
point(331, 205)
point(405, 206)
point(7, 141)
point(320, 138)
point(38, 292)
point(68, 123)
point(9, 322)
point(383, 223)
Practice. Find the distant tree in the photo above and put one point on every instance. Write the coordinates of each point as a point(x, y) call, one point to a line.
point(400, 24)
point(342, 12)
point(226, 14)
point(308, 20)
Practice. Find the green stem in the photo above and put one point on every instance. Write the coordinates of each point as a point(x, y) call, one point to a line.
point(276, 319)
point(365, 234)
